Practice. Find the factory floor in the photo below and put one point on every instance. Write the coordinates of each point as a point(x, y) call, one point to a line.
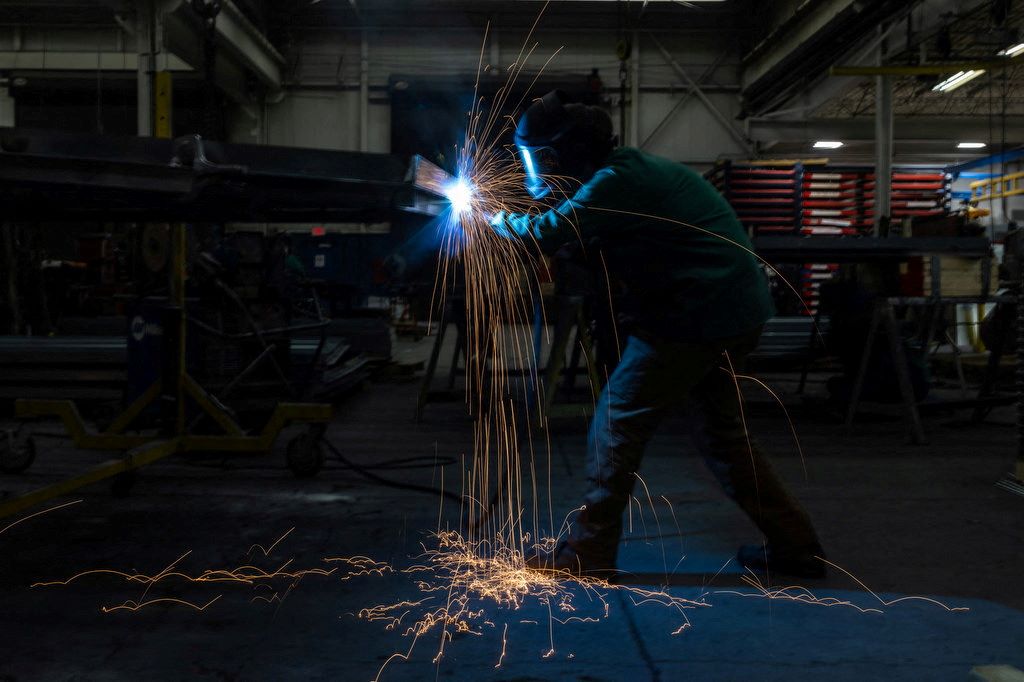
point(925, 521)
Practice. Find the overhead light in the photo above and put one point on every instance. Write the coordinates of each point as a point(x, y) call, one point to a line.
point(828, 144)
point(958, 79)
point(1012, 50)
point(971, 145)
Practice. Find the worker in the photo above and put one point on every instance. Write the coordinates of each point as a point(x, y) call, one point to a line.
point(697, 299)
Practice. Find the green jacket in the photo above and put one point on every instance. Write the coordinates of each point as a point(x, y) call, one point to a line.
point(669, 238)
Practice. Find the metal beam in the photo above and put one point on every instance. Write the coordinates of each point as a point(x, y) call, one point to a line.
point(250, 46)
point(806, 21)
point(937, 128)
point(928, 16)
point(728, 124)
point(988, 161)
point(921, 70)
point(243, 49)
point(681, 102)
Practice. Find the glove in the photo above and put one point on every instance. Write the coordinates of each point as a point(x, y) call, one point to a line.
point(504, 225)
point(501, 226)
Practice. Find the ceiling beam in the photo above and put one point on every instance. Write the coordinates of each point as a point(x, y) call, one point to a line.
point(769, 131)
point(808, 18)
point(935, 69)
point(90, 61)
point(926, 16)
point(242, 49)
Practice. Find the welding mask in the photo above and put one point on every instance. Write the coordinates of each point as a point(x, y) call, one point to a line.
point(538, 163)
point(554, 137)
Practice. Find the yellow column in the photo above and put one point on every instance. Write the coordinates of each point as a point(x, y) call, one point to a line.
point(162, 104)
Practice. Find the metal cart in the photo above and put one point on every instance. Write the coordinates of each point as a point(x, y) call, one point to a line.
point(48, 176)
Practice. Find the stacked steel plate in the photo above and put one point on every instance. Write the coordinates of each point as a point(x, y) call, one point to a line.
point(823, 200)
point(765, 197)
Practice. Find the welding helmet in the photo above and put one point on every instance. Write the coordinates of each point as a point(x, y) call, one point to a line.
point(554, 137)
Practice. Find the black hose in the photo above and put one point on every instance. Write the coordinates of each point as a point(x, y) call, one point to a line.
point(366, 473)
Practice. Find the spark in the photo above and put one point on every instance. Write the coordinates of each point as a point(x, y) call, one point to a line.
point(461, 582)
point(266, 552)
point(136, 606)
point(504, 646)
point(789, 419)
point(38, 513)
point(248, 575)
point(801, 594)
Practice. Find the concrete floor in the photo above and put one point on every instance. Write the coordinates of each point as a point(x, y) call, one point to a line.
point(904, 520)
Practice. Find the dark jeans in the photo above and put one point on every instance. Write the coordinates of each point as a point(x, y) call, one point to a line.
point(652, 377)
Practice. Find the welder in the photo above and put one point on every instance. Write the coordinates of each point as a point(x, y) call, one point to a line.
point(696, 299)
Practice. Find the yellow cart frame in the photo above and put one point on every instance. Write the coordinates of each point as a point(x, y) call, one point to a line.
point(141, 449)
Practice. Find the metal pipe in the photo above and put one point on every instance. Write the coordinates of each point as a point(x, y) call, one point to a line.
point(634, 94)
point(738, 134)
point(144, 84)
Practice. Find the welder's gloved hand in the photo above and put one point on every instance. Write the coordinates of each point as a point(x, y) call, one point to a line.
point(508, 225)
point(499, 225)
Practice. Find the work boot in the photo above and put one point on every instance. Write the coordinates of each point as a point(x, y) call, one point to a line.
point(568, 558)
point(799, 562)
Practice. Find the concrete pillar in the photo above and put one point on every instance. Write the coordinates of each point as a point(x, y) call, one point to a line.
point(6, 108)
point(883, 142)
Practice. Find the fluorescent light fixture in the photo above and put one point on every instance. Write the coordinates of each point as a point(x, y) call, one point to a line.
point(828, 144)
point(971, 145)
point(957, 79)
point(1012, 50)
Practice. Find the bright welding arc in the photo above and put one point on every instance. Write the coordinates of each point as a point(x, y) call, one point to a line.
point(460, 194)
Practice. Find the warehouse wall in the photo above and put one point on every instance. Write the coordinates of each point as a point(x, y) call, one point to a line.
point(321, 107)
point(322, 104)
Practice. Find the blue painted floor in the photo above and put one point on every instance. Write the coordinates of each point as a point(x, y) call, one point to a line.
point(904, 520)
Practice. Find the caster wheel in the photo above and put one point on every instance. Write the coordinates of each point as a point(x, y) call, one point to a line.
point(122, 484)
point(16, 455)
point(305, 455)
